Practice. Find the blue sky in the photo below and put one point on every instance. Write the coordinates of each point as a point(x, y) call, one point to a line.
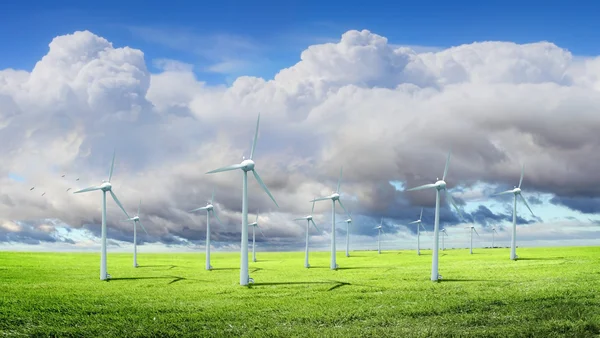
point(229, 38)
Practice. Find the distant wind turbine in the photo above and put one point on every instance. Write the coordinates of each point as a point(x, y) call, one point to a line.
point(254, 225)
point(348, 222)
point(246, 166)
point(379, 231)
point(308, 219)
point(444, 233)
point(516, 192)
point(472, 229)
point(419, 225)
point(106, 186)
point(209, 208)
point(136, 220)
point(335, 196)
point(493, 232)
point(440, 185)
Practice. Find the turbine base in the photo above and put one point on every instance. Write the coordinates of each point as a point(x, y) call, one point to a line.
point(250, 280)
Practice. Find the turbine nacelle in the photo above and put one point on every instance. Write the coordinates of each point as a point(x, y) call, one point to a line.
point(105, 186)
point(440, 185)
point(308, 218)
point(348, 220)
point(135, 218)
point(335, 196)
point(253, 224)
point(516, 191)
point(247, 165)
point(209, 207)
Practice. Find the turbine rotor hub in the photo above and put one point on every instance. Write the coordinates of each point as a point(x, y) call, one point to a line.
point(335, 196)
point(248, 165)
point(106, 186)
point(440, 185)
point(517, 190)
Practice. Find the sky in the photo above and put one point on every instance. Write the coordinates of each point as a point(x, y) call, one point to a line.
point(384, 90)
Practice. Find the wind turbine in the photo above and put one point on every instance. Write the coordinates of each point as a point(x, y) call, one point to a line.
point(419, 225)
point(348, 222)
point(472, 228)
point(308, 219)
point(443, 231)
point(246, 166)
point(380, 230)
point(136, 220)
point(209, 208)
point(516, 192)
point(493, 232)
point(439, 186)
point(335, 196)
point(106, 186)
point(254, 225)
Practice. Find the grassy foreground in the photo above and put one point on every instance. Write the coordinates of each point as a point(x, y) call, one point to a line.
point(549, 292)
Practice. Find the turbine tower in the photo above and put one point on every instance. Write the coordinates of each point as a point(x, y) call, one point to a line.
point(439, 186)
point(246, 166)
point(516, 192)
point(443, 231)
point(419, 226)
point(209, 208)
point(493, 232)
point(379, 231)
point(471, 230)
point(136, 220)
point(335, 196)
point(254, 225)
point(106, 186)
point(308, 219)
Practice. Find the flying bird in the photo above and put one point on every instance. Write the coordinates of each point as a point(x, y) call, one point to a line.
point(77, 179)
point(63, 175)
point(68, 189)
point(31, 188)
point(43, 194)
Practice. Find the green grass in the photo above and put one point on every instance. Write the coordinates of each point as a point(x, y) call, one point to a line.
point(550, 292)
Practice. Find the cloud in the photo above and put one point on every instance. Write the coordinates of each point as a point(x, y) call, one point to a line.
point(384, 113)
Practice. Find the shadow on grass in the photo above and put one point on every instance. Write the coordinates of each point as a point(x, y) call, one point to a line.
point(463, 280)
point(337, 284)
point(174, 279)
point(256, 269)
point(219, 269)
point(157, 266)
point(539, 258)
point(358, 267)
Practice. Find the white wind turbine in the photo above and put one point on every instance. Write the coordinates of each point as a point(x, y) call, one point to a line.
point(379, 231)
point(136, 220)
point(419, 226)
point(439, 186)
point(105, 186)
point(308, 219)
point(444, 233)
point(348, 222)
point(472, 229)
point(335, 196)
point(209, 208)
point(254, 225)
point(493, 232)
point(246, 166)
point(516, 192)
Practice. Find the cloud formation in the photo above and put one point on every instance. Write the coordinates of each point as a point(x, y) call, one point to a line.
point(385, 113)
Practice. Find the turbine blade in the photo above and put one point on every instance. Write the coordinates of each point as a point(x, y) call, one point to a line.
point(522, 172)
point(255, 137)
point(320, 199)
point(139, 206)
point(449, 196)
point(198, 209)
point(231, 167)
point(261, 232)
point(476, 232)
point(140, 223)
point(503, 193)
point(213, 197)
point(118, 203)
point(446, 168)
point(262, 184)
point(299, 219)
point(339, 180)
point(420, 217)
point(217, 217)
point(256, 217)
point(527, 205)
point(414, 222)
point(343, 207)
point(313, 208)
point(87, 189)
point(423, 227)
point(421, 187)
point(316, 227)
point(112, 166)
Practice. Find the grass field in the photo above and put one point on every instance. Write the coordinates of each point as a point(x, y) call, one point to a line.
point(549, 292)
